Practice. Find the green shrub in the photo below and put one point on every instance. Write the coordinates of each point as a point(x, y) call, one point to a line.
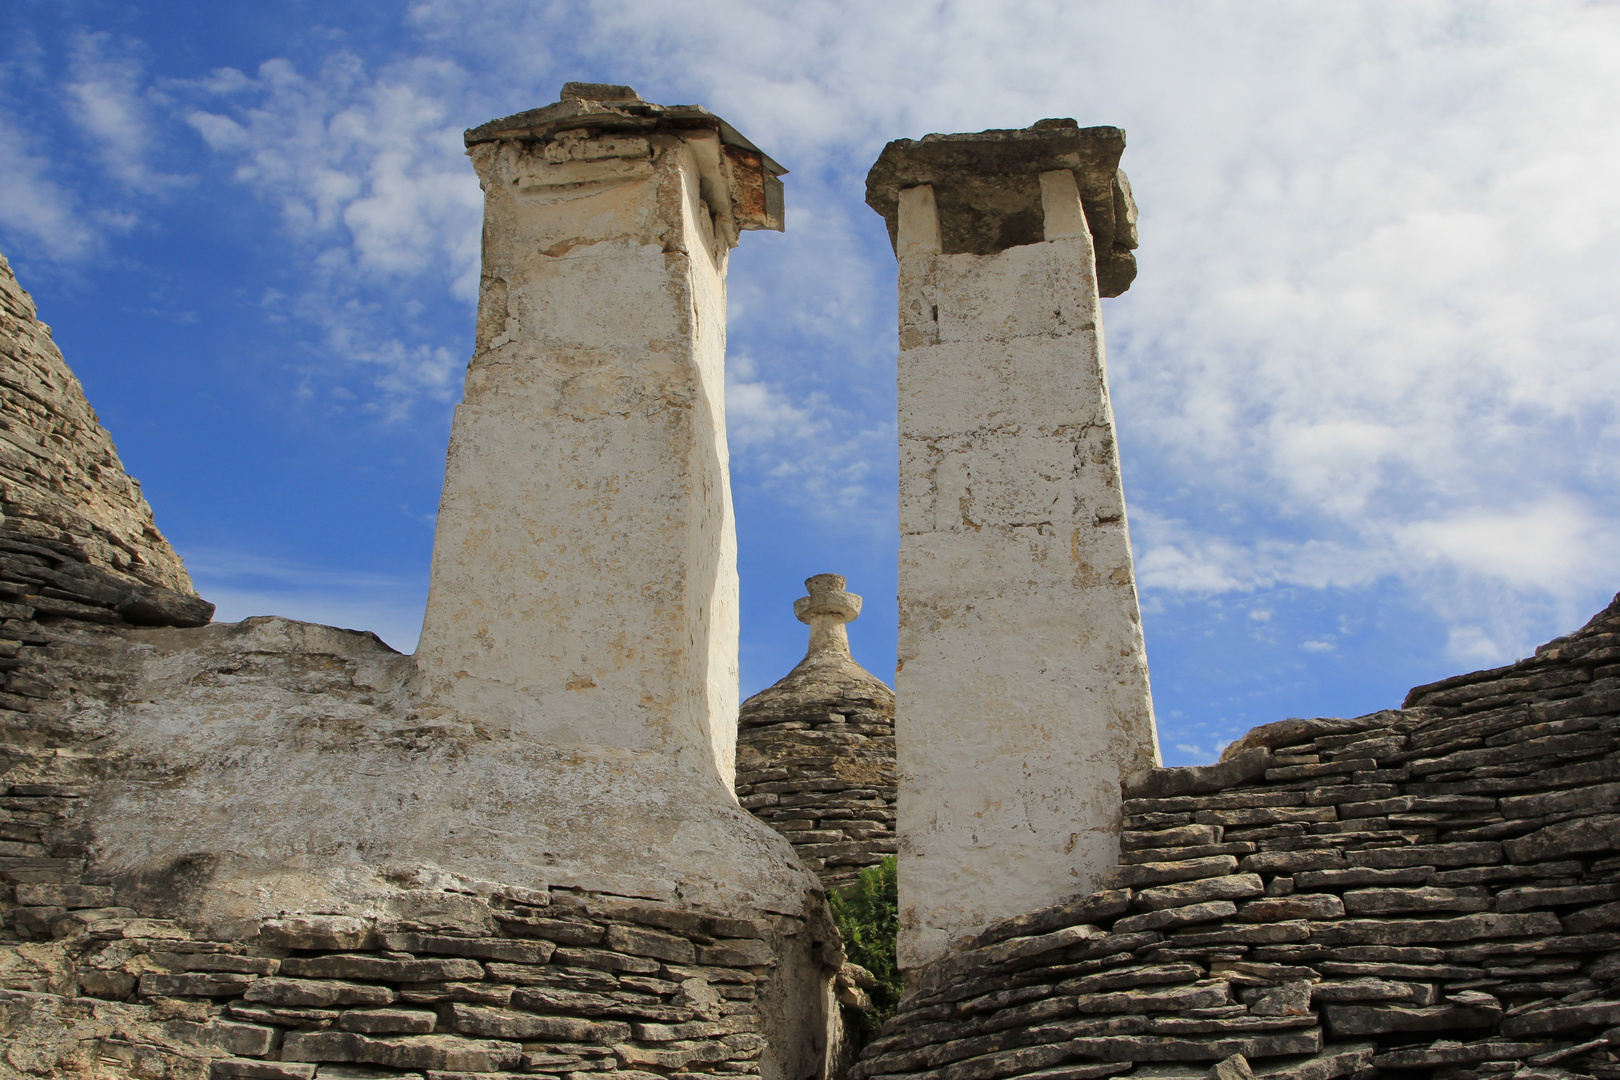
point(867, 915)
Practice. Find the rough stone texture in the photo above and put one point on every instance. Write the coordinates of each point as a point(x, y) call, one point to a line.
point(61, 483)
point(120, 996)
point(989, 194)
point(1422, 892)
point(287, 844)
point(815, 751)
point(1022, 685)
point(584, 585)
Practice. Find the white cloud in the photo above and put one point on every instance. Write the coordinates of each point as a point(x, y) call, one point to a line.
point(368, 173)
point(756, 413)
point(38, 214)
point(1378, 247)
point(369, 163)
point(1551, 545)
point(108, 101)
point(1373, 336)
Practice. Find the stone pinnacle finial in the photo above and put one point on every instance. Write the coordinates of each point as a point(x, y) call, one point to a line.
point(825, 611)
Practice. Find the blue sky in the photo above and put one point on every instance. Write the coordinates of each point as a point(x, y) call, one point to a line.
point(1366, 383)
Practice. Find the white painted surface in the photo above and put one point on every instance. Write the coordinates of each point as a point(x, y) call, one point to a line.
point(584, 586)
point(1023, 688)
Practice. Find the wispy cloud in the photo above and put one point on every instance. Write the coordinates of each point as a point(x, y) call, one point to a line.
point(1374, 304)
point(37, 213)
point(368, 174)
point(1373, 336)
point(108, 99)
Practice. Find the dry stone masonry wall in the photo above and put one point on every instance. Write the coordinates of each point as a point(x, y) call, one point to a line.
point(815, 752)
point(60, 477)
point(1428, 891)
point(477, 980)
point(432, 974)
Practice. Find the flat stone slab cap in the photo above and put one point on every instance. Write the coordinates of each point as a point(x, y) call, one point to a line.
point(606, 107)
point(987, 187)
point(757, 197)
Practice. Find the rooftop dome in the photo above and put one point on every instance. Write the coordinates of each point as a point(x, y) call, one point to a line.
point(815, 752)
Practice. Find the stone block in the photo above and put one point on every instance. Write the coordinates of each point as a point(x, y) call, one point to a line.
point(1158, 1048)
point(1199, 779)
point(736, 953)
point(504, 1024)
point(36, 921)
point(1479, 853)
point(316, 993)
point(1293, 906)
point(1141, 875)
point(1207, 911)
point(1344, 879)
point(105, 984)
point(1174, 837)
point(1131, 977)
point(241, 1069)
point(1373, 989)
point(1085, 908)
point(559, 931)
point(210, 961)
point(1344, 1059)
point(239, 1040)
point(1343, 1020)
point(518, 952)
point(195, 984)
point(316, 932)
point(1230, 887)
point(1275, 933)
point(388, 1021)
point(402, 1051)
point(1402, 901)
point(606, 961)
point(638, 942)
point(1559, 1018)
point(380, 969)
point(1581, 836)
point(1292, 862)
point(1290, 999)
point(64, 896)
point(1416, 931)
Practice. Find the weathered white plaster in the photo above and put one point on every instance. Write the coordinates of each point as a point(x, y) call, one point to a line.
point(570, 719)
point(584, 586)
point(1022, 685)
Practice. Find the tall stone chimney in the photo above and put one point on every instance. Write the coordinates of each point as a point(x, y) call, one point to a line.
point(1022, 690)
point(584, 587)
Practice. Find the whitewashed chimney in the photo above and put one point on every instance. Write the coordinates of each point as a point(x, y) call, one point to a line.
point(1022, 690)
point(584, 586)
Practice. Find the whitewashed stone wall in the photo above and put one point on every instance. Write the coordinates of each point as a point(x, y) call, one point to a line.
point(1022, 692)
point(584, 570)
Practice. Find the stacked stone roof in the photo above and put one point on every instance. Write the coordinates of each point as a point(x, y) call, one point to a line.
point(61, 483)
point(1425, 891)
point(815, 751)
point(464, 978)
point(436, 976)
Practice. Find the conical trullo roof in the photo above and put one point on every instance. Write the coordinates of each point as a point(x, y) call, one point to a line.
point(815, 751)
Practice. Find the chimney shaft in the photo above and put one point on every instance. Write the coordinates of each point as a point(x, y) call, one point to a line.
point(584, 587)
point(1022, 693)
